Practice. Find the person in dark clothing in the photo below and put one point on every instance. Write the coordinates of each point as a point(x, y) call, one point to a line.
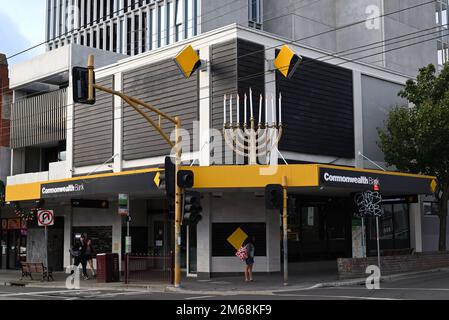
point(89, 256)
point(79, 254)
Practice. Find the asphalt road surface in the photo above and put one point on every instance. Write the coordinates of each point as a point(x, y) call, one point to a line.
point(431, 286)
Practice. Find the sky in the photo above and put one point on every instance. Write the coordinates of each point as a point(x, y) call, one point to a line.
point(22, 25)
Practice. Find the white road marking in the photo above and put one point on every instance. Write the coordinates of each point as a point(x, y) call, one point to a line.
point(335, 297)
point(198, 298)
point(406, 289)
point(42, 293)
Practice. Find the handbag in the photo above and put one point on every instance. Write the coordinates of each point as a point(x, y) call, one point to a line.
point(242, 253)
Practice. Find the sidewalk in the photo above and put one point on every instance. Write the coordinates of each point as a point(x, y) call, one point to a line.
point(264, 284)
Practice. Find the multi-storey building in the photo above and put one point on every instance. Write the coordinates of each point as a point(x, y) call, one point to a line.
point(133, 27)
point(332, 107)
point(5, 101)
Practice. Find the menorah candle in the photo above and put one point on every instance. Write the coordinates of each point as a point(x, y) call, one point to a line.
point(238, 108)
point(280, 108)
point(260, 109)
point(230, 106)
point(224, 107)
point(266, 109)
point(273, 110)
point(251, 103)
point(246, 107)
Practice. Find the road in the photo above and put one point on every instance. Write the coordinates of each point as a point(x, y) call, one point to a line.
point(431, 286)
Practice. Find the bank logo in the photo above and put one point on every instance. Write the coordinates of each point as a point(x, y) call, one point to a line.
point(237, 238)
point(64, 189)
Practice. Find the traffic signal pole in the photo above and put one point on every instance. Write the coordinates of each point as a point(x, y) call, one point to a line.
point(285, 228)
point(178, 203)
point(135, 103)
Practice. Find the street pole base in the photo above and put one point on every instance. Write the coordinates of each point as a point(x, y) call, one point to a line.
point(286, 284)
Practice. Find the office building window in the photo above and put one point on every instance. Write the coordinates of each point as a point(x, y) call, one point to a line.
point(441, 20)
point(255, 13)
point(178, 20)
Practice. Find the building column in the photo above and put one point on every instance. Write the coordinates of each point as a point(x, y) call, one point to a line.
point(118, 126)
point(204, 104)
point(358, 118)
point(70, 127)
point(415, 225)
point(68, 218)
point(270, 91)
point(204, 239)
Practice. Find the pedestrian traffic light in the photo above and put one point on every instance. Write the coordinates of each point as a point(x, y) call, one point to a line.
point(274, 196)
point(80, 84)
point(287, 61)
point(185, 179)
point(192, 208)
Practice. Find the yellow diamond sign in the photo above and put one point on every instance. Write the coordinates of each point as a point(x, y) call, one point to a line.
point(188, 61)
point(237, 238)
point(433, 185)
point(287, 61)
point(157, 179)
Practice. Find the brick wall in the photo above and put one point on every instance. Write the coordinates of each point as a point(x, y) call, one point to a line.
point(355, 268)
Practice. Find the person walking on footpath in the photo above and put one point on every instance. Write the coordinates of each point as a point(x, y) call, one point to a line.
point(89, 256)
point(78, 252)
point(251, 250)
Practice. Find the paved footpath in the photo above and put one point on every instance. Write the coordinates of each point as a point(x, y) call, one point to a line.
point(264, 285)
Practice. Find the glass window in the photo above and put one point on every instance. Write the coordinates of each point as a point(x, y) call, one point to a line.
point(430, 208)
point(310, 223)
point(401, 221)
point(385, 224)
point(178, 20)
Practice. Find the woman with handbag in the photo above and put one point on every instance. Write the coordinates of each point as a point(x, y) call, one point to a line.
point(250, 249)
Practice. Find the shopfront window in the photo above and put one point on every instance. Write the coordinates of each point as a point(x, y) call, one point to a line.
point(394, 228)
point(430, 208)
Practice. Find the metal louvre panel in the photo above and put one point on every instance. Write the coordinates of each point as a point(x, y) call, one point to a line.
point(38, 120)
point(162, 85)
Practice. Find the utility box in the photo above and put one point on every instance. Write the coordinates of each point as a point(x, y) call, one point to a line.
point(108, 268)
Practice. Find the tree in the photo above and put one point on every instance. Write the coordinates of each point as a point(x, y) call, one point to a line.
point(416, 138)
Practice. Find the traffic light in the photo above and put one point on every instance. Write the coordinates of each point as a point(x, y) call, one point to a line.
point(80, 84)
point(287, 61)
point(192, 208)
point(165, 179)
point(274, 196)
point(185, 179)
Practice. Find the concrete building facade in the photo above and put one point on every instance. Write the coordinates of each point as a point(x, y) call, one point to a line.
point(109, 147)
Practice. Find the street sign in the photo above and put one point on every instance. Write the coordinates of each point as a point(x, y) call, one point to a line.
point(123, 205)
point(45, 218)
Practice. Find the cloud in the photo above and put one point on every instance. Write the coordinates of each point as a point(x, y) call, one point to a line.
point(21, 29)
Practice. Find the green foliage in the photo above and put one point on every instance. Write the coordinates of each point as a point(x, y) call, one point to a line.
point(416, 139)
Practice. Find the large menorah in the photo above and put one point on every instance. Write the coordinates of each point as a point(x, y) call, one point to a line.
point(252, 139)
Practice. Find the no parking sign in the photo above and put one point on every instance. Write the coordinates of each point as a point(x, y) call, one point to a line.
point(45, 218)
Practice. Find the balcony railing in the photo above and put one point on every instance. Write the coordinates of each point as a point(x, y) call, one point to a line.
point(38, 120)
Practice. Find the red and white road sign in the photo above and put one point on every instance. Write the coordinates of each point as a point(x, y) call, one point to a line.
point(45, 218)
